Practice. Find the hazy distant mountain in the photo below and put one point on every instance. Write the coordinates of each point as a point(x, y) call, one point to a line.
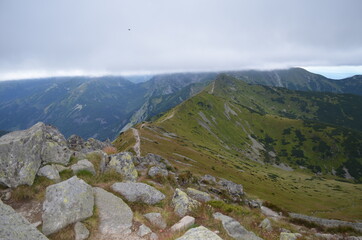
point(103, 106)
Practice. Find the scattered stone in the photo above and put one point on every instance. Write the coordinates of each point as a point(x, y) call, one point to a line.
point(50, 172)
point(153, 236)
point(156, 220)
point(23, 152)
point(208, 179)
point(199, 233)
point(183, 203)
point(198, 195)
point(269, 213)
point(235, 190)
point(93, 145)
point(114, 214)
point(123, 164)
point(288, 236)
point(156, 171)
point(83, 165)
point(14, 226)
point(234, 229)
point(81, 232)
point(143, 230)
point(253, 204)
point(266, 225)
point(138, 192)
point(65, 203)
point(183, 224)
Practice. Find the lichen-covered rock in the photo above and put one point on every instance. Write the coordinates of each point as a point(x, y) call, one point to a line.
point(93, 144)
point(199, 233)
point(138, 192)
point(83, 165)
point(65, 203)
point(114, 214)
point(151, 160)
point(234, 229)
point(156, 220)
point(14, 226)
point(123, 164)
point(157, 171)
point(23, 152)
point(266, 224)
point(208, 179)
point(198, 195)
point(183, 203)
point(50, 172)
point(143, 230)
point(183, 224)
point(235, 190)
point(81, 232)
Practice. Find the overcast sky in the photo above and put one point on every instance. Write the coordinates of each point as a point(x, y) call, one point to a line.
point(92, 37)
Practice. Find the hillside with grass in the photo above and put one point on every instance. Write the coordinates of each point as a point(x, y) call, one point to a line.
point(285, 146)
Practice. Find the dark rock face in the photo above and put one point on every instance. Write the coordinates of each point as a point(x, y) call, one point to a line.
point(23, 152)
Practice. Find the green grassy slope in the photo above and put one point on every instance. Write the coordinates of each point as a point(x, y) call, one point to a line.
point(242, 132)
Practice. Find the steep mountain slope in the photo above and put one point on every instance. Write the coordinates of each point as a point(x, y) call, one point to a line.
point(300, 79)
point(88, 107)
point(242, 132)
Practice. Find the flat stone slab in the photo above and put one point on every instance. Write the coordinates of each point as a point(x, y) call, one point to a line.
point(139, 192)
point(156, 220)
point(14, 226)
point(183, 224)
point(199, 233)
point(234, 229)
point(114, 214)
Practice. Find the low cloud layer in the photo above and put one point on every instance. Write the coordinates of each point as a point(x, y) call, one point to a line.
point(141, 36)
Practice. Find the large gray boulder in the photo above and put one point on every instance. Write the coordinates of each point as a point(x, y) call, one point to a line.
point(199, 233)
point(183, 203)
point(138, 192)
point(156, 220)
point(234, 190)
point(23, 152)
point(123, 164)
point(65, 203)
point(114, 214)
point(234, 229)
point(14, 226)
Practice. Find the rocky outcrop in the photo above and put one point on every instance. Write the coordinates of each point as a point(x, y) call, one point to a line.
point(81, 232)
point(234, 190)
point(50, 172)
point(289, 236)
point(23, 152)
point(198, 195)
point(234, 229)
point(208, 179)
point(83, 165)
point(14, 226)
point(75, 143)
point(156, 220)
point(183, 224)
point(199, 233)
point(115, 216)
point(183, 203)
point(327, 222)
point(151, 160)
point(157, 172)
point(138, 192)
point(123, 164)
point(65, 203)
